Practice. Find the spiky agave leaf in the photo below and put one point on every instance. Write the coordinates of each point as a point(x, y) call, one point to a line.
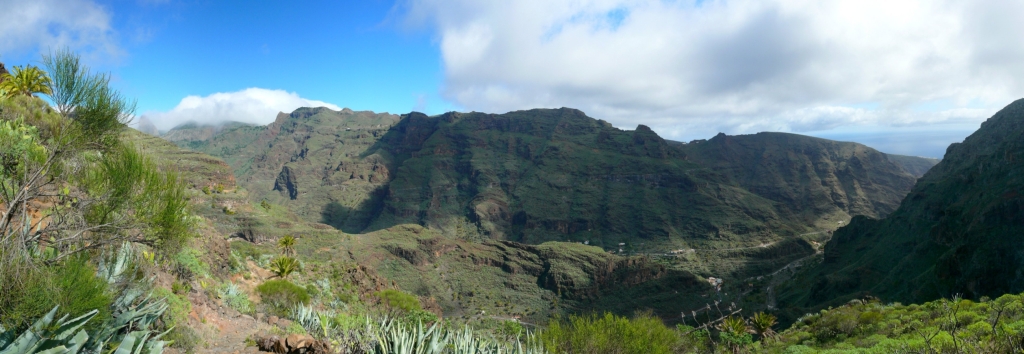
point(67, 337)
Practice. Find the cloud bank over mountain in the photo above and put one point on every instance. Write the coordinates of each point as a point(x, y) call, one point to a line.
point(252, 105)
point(693, 68)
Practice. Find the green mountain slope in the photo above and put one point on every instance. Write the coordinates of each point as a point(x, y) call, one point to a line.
point(541, 175)
point(558, 175)
point(957, 232)
point(733, 207)
point(197, 169)
point(461, 278)
point(311, 161)
point(552, 174)
point(813, 181)
point(914, 165)
point(500, 279)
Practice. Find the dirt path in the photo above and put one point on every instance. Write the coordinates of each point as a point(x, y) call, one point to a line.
point(225, 330)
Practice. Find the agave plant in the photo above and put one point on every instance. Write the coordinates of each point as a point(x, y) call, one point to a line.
point(284, 266)
point(318, 323)
point(66, 337)
point(134, 310)
point(235, 298)
point(395, 337)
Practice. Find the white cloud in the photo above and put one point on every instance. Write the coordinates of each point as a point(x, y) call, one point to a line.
point(251, 105)
point(689, 69)
point(28, 26)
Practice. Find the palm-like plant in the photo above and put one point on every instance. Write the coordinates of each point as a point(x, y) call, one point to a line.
point(25, 81)
point(287, 244)
point(762, 324)
point(734, 332)
point(284, 266)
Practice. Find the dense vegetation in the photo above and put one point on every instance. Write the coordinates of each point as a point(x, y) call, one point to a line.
point(76, 202)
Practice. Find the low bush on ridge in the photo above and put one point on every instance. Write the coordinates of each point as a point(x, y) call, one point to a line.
point(282, 295)
point(610, 334)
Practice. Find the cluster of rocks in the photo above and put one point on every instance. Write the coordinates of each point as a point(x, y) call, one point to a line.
point(293, 344)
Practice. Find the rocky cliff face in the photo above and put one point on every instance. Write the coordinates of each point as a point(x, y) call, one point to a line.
point(817, 181)
point(540, 175)
point(957, 232)
point(312, 160)
point(554, 174)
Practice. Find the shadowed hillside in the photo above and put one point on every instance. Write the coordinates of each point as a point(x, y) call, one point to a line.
point(957, 232)
point(915, 165)
point(814, 181)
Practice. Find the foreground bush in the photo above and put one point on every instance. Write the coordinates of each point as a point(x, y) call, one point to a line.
point(72, 285)
point(610, 334)
point(399, 300)
point(282, 295)
point(942, 326)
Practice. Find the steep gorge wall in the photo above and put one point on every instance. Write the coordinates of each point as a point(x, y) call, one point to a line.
point(957, 232)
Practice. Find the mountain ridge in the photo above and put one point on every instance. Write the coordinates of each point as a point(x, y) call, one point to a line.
point(375, 171)
point(954, 233)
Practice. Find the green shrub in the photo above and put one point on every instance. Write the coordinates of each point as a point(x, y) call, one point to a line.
point(189, 259)
point(72, 285)
point(282, 295)
point(511, 329)
point(421, 316)
point(609, 334)
point(399, 300)
point(348, 321)
point(176, 319)
point(178, 308)
point(180, 288)
point(184, 338)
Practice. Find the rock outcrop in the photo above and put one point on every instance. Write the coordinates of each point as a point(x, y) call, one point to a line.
point(293, 344)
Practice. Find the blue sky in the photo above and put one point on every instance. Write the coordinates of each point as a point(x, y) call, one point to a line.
point(905, 78)
point(344, 52)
